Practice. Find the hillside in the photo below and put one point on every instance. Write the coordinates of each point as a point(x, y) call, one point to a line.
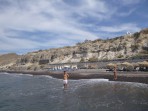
point(120, 47)
point(7, 60)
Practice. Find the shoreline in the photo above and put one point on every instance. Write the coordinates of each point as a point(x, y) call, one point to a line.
point(140, 77)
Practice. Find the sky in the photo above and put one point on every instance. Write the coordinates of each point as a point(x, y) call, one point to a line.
point(31, 25)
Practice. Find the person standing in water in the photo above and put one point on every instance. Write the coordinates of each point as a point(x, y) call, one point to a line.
point(65, 79)
point(115, 72)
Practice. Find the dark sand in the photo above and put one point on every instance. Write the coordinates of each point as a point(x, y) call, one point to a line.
point(141, 77)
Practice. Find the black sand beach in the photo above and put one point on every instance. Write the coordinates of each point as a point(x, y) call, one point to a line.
point(140, 77)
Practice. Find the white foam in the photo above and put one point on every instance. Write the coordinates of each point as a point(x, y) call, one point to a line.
point(131, 84)
point(136, 84)
point(4, 73)
point(27, 74)
point(20, 74)
point(13, 74)
point(92, 80)
point(98, 80)
point(17, 74)
point(46, 76)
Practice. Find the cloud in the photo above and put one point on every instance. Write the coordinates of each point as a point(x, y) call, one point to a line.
point(130, 2)
point(120, 28)
point(26, 24)
point(16, 44)
point(126, 13)
point(54, 16)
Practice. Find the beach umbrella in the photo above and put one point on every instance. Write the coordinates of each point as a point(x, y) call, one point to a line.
point(128, 66)
point(126, 63)
point(135, 64)
point(119, 66)
point(143, 64)
point(110, 66)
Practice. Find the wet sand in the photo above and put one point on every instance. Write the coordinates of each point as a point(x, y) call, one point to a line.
point(141, 77)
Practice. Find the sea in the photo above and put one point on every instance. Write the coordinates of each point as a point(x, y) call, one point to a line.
point(25, 92)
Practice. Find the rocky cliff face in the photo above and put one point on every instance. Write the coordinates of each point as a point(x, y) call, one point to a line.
point(120, 47)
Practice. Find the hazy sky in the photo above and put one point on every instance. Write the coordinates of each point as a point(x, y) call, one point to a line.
point(28, 25)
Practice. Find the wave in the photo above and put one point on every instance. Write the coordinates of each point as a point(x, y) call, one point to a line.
point(98, 80)
point(27, 75)
point(4, 73)
point(129, 84)
point(46, 76)
point(16, 74)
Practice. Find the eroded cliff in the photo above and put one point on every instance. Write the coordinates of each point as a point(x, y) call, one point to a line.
point(120, 47)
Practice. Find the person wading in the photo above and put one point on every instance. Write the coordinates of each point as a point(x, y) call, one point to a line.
point(115, 72)
point(65, 79)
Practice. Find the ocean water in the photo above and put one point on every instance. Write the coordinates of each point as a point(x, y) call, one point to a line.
point(20, 92)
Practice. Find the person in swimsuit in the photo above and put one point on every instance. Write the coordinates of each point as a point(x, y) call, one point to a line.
point(65, 79)
point(115, 72)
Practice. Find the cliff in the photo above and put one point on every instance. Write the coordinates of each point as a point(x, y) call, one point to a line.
point(131, 45)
